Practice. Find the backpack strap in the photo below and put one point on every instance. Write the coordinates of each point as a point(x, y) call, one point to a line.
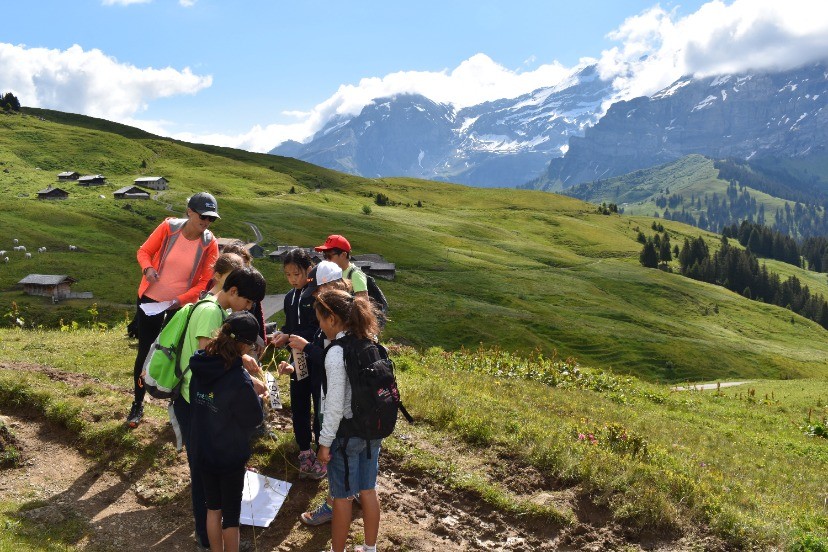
point(180, 346)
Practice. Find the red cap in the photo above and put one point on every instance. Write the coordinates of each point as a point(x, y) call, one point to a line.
point(335, 241)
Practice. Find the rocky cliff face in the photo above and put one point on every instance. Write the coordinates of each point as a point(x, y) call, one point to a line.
point(501, 143)
point(743, 116)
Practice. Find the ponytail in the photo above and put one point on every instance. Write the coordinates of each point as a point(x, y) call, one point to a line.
point(358, 313)
point(224, 345)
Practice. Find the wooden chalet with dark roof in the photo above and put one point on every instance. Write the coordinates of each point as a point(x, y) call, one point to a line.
point(131, 192)
point(92, 180)
point(68, 176)
point(375, 265)
point(52, 193)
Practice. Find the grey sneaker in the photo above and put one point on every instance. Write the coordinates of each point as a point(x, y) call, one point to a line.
point(136, 413)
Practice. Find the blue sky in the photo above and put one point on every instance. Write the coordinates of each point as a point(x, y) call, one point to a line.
point(253, 73)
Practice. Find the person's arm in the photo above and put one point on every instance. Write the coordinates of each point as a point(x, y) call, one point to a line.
point(335, 397)
point(314, 353)
point(359, 283)
point(149, 249)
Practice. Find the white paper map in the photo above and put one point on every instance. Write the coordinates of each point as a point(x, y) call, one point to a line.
point(262, 497)
point(151, 309)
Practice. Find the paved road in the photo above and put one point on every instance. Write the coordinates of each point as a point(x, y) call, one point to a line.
point(256, 232)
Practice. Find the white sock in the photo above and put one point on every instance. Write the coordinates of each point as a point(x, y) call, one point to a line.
point(366, 548)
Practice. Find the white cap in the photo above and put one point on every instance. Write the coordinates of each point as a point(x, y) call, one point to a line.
point(323, 273)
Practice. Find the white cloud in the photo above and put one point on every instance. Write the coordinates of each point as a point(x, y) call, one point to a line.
point(187, 3)
point(747, 35)
point(89, 82)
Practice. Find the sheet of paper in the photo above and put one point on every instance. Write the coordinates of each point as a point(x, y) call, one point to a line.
point(262, 497)
point(151, 309)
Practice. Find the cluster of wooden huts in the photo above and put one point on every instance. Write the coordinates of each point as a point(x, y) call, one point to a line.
point(136, 191)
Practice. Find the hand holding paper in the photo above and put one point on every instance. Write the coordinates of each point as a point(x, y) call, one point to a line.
point(151, 309)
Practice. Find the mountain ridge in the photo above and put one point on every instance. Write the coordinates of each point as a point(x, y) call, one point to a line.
point(500, 143)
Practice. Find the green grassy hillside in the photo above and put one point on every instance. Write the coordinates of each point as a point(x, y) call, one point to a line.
point(522, 270)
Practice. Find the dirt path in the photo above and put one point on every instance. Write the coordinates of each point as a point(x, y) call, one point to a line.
point(57, 484)
point(709, 386)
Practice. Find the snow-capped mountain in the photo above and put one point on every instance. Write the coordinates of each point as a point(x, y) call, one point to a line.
point(747, 116)
point(502, 143)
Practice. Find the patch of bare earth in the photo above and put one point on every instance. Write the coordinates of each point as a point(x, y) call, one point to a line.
point(123, 510)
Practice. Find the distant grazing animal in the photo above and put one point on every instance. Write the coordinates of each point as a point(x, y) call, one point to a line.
point(41, 250)
point(5, 259)
point(73, 248)
point(2, 252)
point(16, 248)
point(28, 255)
point(16, 241)
point(22, 247)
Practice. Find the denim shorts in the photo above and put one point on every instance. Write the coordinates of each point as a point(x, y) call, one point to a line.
point(362, 471)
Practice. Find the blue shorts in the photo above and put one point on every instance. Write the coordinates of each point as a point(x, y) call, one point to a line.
point(362, 471)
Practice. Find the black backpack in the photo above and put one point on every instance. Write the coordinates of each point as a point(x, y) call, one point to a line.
point(375, 397)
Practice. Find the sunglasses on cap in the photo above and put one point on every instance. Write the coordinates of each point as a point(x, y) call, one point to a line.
point(208, 217)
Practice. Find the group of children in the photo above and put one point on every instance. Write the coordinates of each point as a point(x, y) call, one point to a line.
point(220, 404)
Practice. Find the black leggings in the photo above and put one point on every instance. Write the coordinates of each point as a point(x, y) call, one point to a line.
point(223, 491)
point(148, 328)
point(305, 426)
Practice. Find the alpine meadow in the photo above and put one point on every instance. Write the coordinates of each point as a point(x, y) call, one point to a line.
point(527, 335)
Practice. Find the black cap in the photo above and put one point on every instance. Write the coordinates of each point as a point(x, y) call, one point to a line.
point(243, 327)
point(204, 204)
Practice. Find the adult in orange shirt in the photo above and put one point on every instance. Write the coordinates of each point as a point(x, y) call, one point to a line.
point(177, 263)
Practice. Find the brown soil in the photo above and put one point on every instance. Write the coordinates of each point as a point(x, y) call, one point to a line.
point(55, 483)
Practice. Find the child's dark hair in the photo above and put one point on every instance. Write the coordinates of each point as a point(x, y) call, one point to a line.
point(224, 345)
point(248, 281)
point(358, 313)
point(298, 257)
point(227, 261)
point(237, 247)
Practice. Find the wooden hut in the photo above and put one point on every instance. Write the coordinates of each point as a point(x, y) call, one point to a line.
point(131, 192)
point(153, 182)
point(52, 193)
point(67, 176)
point(47, 285)
point(92, 180)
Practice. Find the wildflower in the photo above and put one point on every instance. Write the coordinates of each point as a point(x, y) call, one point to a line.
point(581, 436)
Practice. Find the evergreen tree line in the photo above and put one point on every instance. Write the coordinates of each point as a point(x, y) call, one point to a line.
point(741, 171)
point(717, 212)
point(738, 270)
point(9, 102)
point(767, 242)
point(763, 241)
